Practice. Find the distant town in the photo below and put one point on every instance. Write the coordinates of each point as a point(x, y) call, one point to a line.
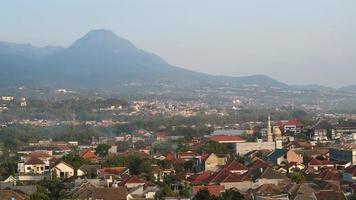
point(75, 147)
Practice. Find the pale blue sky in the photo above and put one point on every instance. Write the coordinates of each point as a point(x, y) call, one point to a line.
point(297, 42)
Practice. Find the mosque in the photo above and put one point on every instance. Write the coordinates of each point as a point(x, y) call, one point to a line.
point(274, 141)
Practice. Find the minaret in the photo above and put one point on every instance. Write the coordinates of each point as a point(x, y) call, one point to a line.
point(269, 130)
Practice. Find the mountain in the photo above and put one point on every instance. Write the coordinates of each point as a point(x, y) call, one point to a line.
point(350, 88)
point(313, 87)
point(27, 50)
point(101, 59)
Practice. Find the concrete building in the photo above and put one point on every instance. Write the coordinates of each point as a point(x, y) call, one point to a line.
point(215, 162)
point(343, 152)
point(271, 144)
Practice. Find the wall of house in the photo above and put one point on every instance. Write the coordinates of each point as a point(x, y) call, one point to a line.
point(263, 181)
point(36, 169)
point(294, 157)
point(342, 155)
point(133, 185)
point(242, 186)
point(213, 161)
point(245, 147)
point(63, 170)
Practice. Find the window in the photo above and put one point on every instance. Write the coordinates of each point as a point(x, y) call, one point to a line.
point(28, 168)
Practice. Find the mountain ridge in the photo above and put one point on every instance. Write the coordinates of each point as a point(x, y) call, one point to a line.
point(101, 58)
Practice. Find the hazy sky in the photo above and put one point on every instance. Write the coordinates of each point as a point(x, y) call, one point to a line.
point(297, 42)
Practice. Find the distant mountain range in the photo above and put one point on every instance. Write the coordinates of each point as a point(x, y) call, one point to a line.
point(102, 59)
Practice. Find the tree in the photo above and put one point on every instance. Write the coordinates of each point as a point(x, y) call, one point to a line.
point(231, 195)
point(41, 193)
point(297, 177)
point(185, 191)
point(165, 192)
point(203, 195)
point(215, 147)
point(75, 160)
point(189, 165)
point(122, 146)
point(102, 150)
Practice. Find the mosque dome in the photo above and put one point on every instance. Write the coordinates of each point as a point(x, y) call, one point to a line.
point(277, 132)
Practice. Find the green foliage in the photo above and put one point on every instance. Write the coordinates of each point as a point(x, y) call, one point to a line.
point(75, 160)
point(231, 195)
point(122, 146)
point(55, 188)
point(166, 191)
point(185, 191)
point(102, 150)
point(215, 147)
point(203, 195)
point(41, 193)
point(137, 165)
point(297, 177)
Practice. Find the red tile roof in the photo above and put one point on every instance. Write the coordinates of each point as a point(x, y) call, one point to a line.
point(7, 194)
point(134, 179)
point(226, 138)
point(88, 154)
point(258, 163)
point(39, 154)
point(200, 178)
point(329, 195)
point(224, 176)
point(317, 162)
point(34, 161)
point(214, 190)
point(119, 193)
point(112, 170)
point(169, 156)
point(351, 170)
point(328, 175)
point(235, 166)
point(293, 122)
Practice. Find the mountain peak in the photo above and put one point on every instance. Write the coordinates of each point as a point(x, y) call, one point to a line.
point(102, 38)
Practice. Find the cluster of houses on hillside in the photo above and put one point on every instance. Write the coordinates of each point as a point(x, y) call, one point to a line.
point(277, 166)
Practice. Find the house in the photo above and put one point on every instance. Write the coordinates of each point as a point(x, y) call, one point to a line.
point(293, 157)
point(32, 165)
point(160, 173)
point(214, 190)
point(319, 164)
point(119, 193)
point(328, 195)
point(214, 162)
point(271, 176)
point(227, 179)
point(226, 138)
point(37, 159)
point(142, 192)
point(299, 145)
point(290, 126)
point(268, 192)
point(302, 191)
point(88, 154)
point(344, 151)
point(132, 182)
point(350, 173)
point(119, 171)
point(64, 170)
point(161, 136)
point(291, 166)
point(236, 167)
point(10, 194)
point(321, 130)
point(278, 157)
